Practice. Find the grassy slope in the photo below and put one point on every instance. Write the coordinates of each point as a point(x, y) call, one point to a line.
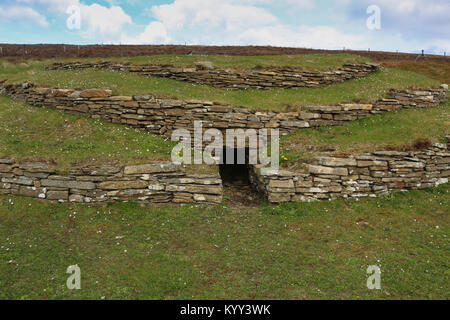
point(435, 70)
point(369, 134)
point(48, 134)
point(293, 251)
point(307, 62)
point(362, 90)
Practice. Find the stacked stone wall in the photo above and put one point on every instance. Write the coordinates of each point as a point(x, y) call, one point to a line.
point(151, 183)
point(235, 79)
point(364, 175)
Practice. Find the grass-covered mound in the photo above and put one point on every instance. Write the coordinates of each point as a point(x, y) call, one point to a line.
point(28, 132)
point(398, 130)
point(366, 89)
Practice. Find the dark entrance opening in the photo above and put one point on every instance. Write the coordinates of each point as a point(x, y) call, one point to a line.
point(239, 190)
point(234, 166)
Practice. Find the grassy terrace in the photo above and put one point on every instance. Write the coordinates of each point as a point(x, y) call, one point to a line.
point(293, 251)
point(307, 62)
point(46, 134)
point(398, 130)
point(362, 90)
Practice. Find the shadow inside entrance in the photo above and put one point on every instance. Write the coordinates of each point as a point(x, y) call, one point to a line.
point(238, 190)
point(234, 167)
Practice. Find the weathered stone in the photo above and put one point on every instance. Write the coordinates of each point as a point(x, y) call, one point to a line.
point(337, 162)
point(207, 198)
point(204, 65)
point(95, 93)
point(369, 163)
point(150, 168)
point(280, 197)
point(31, 192)
point(350, 107)
point(36, 167)
point(119, 185)
point(19, 180)
point(76, 198)
point(57, 195)
point(5, 168)
point(407, 164)
point(71, 184)
point(195, 189)
point(281, 183)
point(328, 170)
point(120, 98)
point(194, 180)
point(295, 124)
point(6, 161)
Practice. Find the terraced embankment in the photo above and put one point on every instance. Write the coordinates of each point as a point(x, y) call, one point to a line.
point(205, 73)
point(355, 176)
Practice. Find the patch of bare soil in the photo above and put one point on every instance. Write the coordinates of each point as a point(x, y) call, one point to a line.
point(240, 196)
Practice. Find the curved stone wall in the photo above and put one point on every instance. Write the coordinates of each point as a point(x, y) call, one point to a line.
point(149, 183)
point(234, 79)
point(356, 176)
point(162, 116)
point(364, 175)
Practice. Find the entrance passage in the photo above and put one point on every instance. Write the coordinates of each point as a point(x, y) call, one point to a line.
point(234, 170)
point(238, 189)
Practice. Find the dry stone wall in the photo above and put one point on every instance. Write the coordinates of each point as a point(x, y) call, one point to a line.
point(162, 116)
point(206, 74)
point(369, 174)
point(150, 183)
point(356, 176)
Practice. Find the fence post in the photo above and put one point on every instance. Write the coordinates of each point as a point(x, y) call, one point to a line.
point(1, 50)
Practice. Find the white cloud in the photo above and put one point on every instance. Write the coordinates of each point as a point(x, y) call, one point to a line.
point(154, 33)
point(103, 21)
point(323, 37)
point(237, 23)
point(97, 21)
point(20, 14)
point(211, 13)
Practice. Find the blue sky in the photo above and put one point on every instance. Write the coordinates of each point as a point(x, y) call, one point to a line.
point(405, 25)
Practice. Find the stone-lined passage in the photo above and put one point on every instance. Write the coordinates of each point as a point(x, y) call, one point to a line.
point(369, 174)
point(148, 183)
point(205, 73)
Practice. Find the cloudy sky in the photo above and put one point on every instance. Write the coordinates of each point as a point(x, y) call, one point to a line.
point(405, 25)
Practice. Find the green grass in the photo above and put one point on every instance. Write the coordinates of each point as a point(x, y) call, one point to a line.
point(307, 62)
point(367, 89)
point(42, 133)
point(390, 129)
point(293, 251)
